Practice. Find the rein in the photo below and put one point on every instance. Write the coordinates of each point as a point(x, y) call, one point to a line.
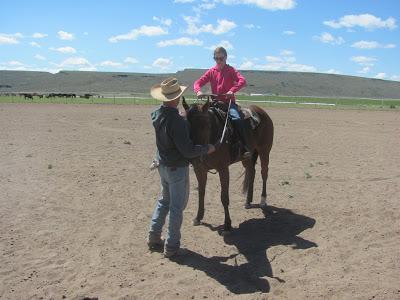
point(219, 141)
point(226, 121)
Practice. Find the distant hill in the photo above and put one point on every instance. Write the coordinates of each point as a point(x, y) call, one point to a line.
point(260, 82)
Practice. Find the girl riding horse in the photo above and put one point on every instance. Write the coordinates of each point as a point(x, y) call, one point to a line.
point(225, 81)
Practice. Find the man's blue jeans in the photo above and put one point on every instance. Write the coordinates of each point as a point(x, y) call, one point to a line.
point(173, 200)
point(239, 124)
point(234, 112)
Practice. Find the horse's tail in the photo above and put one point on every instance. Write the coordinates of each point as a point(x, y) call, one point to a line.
point(246, 179)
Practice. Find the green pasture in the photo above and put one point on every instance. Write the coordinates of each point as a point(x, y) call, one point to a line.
point(275, 101)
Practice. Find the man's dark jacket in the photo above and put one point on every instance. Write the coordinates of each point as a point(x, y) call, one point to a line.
point(175, 148)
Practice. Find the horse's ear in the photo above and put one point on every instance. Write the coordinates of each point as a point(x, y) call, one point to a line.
point(184, 104)
point(206, 106)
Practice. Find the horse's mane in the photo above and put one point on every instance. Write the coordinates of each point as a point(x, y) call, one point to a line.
point(215, 117)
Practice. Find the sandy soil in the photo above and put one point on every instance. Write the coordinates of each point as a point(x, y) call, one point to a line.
point(77, 196)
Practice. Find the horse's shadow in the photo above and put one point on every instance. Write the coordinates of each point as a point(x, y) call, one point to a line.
point(252, 239)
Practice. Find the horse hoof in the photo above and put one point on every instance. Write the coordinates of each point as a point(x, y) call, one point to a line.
point(263, 202)
point(247, 206)
point(196, 222)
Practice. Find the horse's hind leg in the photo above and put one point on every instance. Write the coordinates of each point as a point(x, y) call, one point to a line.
point(202, 181)
point(248, 184)
point(264, 159)
point(224, 179)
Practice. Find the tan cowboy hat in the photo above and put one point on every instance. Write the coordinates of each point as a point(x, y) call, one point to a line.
point(168, 90)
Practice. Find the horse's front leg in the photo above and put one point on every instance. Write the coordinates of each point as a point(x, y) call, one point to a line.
point(224, 179)
point(201, 175)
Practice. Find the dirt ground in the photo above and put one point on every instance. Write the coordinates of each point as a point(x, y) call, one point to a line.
point(77, 196)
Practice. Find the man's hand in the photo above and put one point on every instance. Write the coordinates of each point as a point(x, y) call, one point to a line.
point(229, 93)
point(199, 93)
point(211, 148)
point(183, 113)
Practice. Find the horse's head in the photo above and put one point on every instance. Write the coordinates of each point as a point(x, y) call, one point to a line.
point(199, 119)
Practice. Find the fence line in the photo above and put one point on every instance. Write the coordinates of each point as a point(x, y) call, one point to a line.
point(145, 98)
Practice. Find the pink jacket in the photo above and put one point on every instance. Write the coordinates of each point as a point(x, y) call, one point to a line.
point(222, 81)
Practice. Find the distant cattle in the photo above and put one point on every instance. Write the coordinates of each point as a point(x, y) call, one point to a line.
point(27, 96)
point(87, 96)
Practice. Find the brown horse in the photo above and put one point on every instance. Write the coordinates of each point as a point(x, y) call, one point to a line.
point(207, 128)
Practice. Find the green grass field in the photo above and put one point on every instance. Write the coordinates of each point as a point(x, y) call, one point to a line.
point(276, 101)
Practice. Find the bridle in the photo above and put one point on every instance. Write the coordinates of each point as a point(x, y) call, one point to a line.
point(213, 97)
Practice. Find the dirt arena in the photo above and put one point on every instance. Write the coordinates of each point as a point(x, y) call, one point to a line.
point(77, 196)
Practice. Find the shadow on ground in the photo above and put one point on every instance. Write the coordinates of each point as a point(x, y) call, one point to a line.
point(252, 239)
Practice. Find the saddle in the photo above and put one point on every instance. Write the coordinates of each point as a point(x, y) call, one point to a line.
point(221, 108)
point(252, 120)
point(252, 116)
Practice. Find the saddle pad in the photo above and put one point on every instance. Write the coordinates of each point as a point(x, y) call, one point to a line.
point(253, 116)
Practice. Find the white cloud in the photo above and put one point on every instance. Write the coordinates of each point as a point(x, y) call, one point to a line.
point(34, 44)
point(40, 57)
point(223, 26)
point(110, 63)
point(38, 35)
point(247, 65)
point(289, 32)
point(63, 35)
point(143, 30)
point(273, 59)
point(395, 77)
point(206, 6)
point(86, 33)
point(371, 45)
point(333, 71)
point(328, 38)
point(65, 50)
point(183, 1)
point(284, 66)
point(162, 63)
point(166, 22)
point(287, 53)
point(14, 63)
point(9, 39)
point(265, 4)
point(366, 21)
point(363, 60)
point(18, 66)
point(380, 76)
point(183, 41)
point(226, 44)
point(252, 26)
point(131, 60)
point(75, 61)
point(277, 63)
point(279, 59)
point(364, 70)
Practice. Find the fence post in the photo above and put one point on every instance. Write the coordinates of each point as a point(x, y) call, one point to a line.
point(114, 98)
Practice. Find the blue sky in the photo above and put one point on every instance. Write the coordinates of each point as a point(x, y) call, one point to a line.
point(352, 37)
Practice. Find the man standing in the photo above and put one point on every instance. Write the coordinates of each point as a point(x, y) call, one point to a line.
point(174, 149)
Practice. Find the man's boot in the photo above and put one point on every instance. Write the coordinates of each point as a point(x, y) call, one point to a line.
point(240, 127)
